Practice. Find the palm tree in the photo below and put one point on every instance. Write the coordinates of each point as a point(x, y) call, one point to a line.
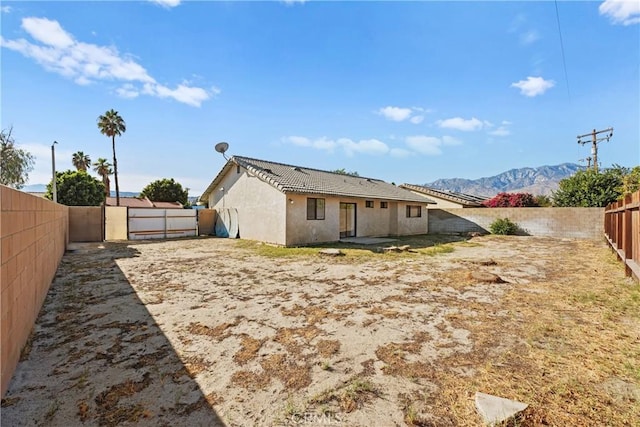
point(81, 161)
point(103, 168)
point(111, 124)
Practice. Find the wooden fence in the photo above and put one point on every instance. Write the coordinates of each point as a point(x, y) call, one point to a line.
point(622, 230)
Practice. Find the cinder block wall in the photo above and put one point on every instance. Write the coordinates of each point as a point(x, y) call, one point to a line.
point(34, 233)
point(583, 223)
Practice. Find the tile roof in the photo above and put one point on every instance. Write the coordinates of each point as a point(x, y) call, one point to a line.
point(137, 202)
point(168, 205)
point(298, 179)
point(132, 202)
point(462, 198)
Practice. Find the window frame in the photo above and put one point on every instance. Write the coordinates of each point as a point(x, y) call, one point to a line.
point(316, 207)
point(368, 204)
point(384, 205)
point(414, 211)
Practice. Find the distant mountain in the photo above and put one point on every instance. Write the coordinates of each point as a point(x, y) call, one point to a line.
point(124, 194)
point(537, 181)
point(34, 188)
point(41, 188)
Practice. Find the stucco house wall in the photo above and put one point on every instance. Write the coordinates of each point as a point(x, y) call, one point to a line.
point(370, 222)
point(261, 211)
point(412, 226)
point(302, 231)
point(442, 204)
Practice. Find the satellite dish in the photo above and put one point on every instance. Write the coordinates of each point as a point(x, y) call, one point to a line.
point(222, 147)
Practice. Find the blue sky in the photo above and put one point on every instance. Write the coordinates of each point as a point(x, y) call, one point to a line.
point(401, 91)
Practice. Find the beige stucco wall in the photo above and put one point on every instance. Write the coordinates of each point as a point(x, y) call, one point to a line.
point(443, 204)
point(370, 222)
point(34, 234)
point(261, 212)
point(115, 224)
point(411, 226)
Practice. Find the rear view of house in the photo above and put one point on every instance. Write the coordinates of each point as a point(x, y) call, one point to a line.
point(291, 205)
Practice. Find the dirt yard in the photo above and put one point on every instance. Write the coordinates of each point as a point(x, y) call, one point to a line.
point(225, 332)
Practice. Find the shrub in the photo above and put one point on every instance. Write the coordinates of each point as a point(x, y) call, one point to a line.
point(511, 200)
point(76, 188)
point(503, 226)
point(543, 201)
point(588, 188)
point(166, 190)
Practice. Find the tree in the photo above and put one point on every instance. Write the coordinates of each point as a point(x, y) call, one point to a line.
point(511, 200)
point(15, 163)
point(76, 188)
point(343, 171)
point(112, 125)
point(81, 161)
point(588, 188)
point(630, 182)
point(103, 168)
point(165, 190)
point(543, 201)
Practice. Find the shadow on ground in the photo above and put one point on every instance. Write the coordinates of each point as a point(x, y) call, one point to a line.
point(97, 356)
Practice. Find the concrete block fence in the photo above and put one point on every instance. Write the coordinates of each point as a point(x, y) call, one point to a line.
point(34, 236)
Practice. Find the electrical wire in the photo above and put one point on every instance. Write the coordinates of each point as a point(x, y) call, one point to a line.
point(564, 61)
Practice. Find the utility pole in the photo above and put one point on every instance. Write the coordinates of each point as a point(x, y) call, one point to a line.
point(588, 160)
point(53, 169)
point(594, 143)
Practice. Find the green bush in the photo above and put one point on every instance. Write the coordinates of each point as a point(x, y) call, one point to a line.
point(503, 226)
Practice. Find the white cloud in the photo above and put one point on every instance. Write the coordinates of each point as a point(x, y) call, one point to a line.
point(400, 153)
point(193, 96)
point(166, 3)
point(349, 146)
point(294, 1)
point(506, 122)
point(319, 144)
point(450, 140)
point(5, 9)
point(127, 91)
point(47, 32)
point(459, 123)
point(517, 23)
point(625, 12)
point(88, 63)
point(400, 114)
point(366, 146)
point(500, 131)
point(396, 114)
point(429, 145)
point(529, 37)
point(533, 86)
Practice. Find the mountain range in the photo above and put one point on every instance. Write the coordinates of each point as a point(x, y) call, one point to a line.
point(542, 180)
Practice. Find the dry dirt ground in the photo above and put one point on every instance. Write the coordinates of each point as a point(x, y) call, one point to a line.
point(225, 332)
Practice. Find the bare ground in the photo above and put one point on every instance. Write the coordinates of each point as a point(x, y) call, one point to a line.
point(214, 331)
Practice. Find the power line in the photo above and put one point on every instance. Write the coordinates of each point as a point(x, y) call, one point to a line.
point(564, 61)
